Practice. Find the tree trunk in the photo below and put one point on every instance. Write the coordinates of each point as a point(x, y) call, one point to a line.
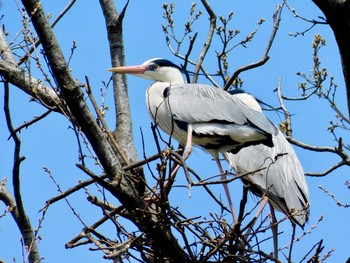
point(159, 234)
point(337, 13)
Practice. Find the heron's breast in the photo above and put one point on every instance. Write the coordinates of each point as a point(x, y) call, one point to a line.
point(160, 111)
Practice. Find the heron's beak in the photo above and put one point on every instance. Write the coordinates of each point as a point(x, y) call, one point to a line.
point(139, 69)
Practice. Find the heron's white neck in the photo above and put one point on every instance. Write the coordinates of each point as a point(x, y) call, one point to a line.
point(176, 77)
point(167, 74)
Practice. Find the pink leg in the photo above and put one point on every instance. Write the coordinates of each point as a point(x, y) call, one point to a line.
point(188, 147)
point(187, 151)
point(227, 191)
point(186, 154)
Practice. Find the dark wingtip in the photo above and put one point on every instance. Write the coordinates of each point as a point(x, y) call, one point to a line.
point(267, 142)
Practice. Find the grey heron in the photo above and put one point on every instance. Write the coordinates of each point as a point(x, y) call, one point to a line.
point(200, 114)
point(282, 183)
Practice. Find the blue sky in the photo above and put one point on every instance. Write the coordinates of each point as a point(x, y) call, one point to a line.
point(51, 143)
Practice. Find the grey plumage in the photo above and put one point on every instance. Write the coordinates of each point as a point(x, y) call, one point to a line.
point(220, 122)
point(231, 124)
point(283, 180)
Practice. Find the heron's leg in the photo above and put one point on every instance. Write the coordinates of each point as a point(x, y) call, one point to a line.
point(227, 191)
point(188, 147)
point(187, 150)
point(274, 229)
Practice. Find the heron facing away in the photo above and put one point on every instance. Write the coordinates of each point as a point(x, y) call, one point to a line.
point(283, 181)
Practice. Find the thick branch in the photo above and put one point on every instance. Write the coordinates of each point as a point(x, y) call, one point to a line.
point(337, 15)
point(119, 186)
point(123, 132)
point(30, 85)
point(5, 49)
point(70, 88)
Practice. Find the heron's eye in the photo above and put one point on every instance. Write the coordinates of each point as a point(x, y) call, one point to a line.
point(153, 67)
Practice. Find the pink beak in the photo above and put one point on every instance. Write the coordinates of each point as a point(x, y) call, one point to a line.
point(139, 69)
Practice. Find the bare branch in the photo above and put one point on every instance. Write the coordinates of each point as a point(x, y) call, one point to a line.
point(27, 124)
point(286, 126)
point(121, 188)
point(212, 25)
point(307, 232)
point(70, 191)
point(339, 151)
point(72, 243)
point(5, 49)
point(19, 213)
point(329, 170)
point(104, 124)
point(123, 131)
point(156, 230)
point(313, 22)
point(313, 148)
point(334, 198)
point(37, 42)
point(265, 56)
point(336, 13)
point(18, 77)
point(8, 199)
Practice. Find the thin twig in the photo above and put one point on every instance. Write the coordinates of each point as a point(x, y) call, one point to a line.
point(212, 25)
point(189, 50)
point(86, 230)
point(71, 191)
point(27, 124)
point(287, 124)
point(104, 124)
point(307, 232)
point(313, 22)
point(329, 170)
point(37, 42)
point(235, 177)
point(333, 197)
point(265, 56)
point(339, 151)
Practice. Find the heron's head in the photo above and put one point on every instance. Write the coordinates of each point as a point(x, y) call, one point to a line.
point(247, 98)
point(157, 69)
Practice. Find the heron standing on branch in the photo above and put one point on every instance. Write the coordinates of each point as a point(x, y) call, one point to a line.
point(200, 114)
point(282, 183)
